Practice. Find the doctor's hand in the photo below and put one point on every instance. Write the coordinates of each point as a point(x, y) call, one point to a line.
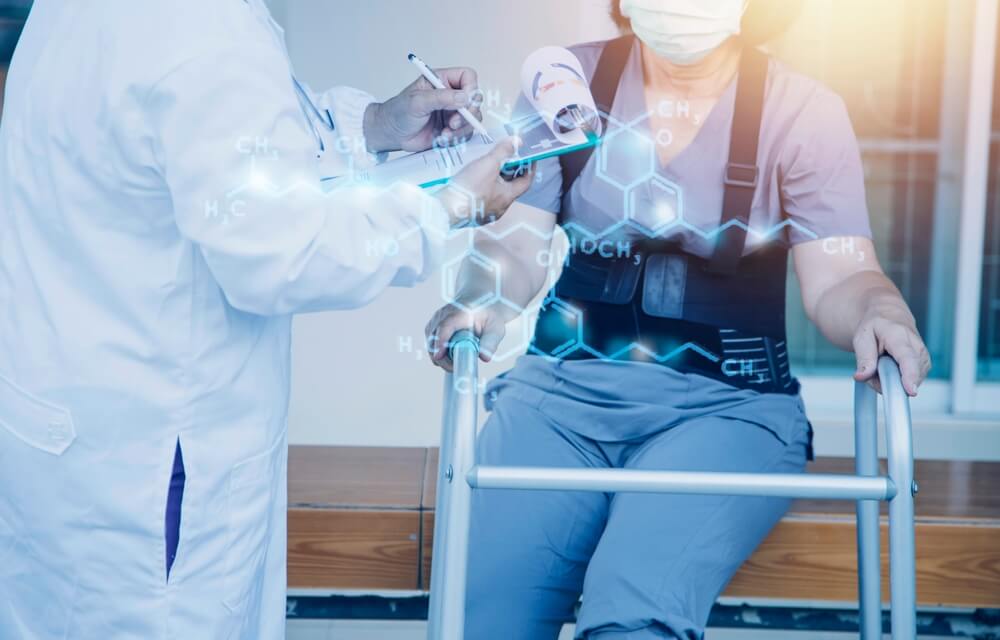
point(422, 115)
point(478, 194)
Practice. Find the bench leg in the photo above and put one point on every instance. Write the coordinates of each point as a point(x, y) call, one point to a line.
point(902, 549)
point(866, 464)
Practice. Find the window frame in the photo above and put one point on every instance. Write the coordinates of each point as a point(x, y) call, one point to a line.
point(968, 394)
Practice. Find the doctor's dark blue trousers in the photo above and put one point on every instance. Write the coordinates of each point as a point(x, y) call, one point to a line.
point(175, 495)
point(647, 565)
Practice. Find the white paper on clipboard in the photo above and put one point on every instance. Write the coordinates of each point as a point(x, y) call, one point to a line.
point(436, 166)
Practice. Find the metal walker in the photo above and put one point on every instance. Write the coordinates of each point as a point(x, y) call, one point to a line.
point(459, 475)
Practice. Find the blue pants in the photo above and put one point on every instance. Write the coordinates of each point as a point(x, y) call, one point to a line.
point(647, 565)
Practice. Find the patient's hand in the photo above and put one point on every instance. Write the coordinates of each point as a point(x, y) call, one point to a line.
point(487, 323)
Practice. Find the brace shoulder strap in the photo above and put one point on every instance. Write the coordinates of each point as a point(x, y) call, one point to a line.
point(742, 173)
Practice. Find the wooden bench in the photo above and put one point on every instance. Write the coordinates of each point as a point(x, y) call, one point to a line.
point(363, 519)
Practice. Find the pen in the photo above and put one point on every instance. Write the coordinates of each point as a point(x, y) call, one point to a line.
point(436, 82)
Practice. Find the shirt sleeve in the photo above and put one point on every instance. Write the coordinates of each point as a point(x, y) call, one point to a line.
point(239, 159)
point(546, 190)
point(821, 175)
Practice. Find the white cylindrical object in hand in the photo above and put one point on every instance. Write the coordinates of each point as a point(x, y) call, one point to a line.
point(552, 79)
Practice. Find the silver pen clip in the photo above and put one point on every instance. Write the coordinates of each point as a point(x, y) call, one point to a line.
point(306, 99)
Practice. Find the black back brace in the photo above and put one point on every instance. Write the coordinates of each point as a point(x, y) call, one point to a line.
point(723, 316)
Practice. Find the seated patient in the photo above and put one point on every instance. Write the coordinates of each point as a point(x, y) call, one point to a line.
point(662, 345)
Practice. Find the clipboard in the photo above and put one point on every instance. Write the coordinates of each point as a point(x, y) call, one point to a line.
point(437, 166)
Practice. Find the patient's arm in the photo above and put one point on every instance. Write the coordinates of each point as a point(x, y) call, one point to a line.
point(515, 253)
point(847, 295)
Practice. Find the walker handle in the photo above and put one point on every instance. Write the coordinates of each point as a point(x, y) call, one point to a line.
point(463, 339)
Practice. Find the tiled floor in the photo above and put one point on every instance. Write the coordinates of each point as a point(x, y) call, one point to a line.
point(352, 630)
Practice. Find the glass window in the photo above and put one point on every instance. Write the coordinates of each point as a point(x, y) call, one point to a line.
point(989, 309)
point(890, 62)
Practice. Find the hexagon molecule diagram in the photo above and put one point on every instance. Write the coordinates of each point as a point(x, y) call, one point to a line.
point(626, 157)
point(654, 207)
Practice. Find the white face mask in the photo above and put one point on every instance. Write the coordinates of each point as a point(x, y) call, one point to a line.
point(684, 31)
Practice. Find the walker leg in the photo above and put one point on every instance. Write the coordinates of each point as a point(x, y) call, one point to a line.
point(902, 548)
point(446, 612)
point(866, 464)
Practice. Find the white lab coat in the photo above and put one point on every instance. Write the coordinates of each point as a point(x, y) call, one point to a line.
point(158, 226)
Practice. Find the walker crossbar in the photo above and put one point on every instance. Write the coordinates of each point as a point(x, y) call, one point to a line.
point(459, 474)
point(779, 485)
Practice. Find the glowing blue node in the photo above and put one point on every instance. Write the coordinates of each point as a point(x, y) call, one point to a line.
point(654, 207)
point(563, 320)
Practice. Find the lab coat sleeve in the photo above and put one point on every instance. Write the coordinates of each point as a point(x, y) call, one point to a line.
point(240, 161)
point(337, 120)
point(345, 107)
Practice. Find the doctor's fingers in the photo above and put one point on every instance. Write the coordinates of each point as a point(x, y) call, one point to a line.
point(519, 185)
point(464, 78)
point(454, 129)
point(510, 190)
point(456, 121)
point(424, 102)
point(503, 151)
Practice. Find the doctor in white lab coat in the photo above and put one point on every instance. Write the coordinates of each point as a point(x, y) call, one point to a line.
point(159, 224)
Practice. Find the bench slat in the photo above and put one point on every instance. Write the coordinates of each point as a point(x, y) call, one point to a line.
point(384, 540)
point(353, 549)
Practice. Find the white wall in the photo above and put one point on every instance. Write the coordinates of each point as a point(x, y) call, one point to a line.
point(351, 384)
